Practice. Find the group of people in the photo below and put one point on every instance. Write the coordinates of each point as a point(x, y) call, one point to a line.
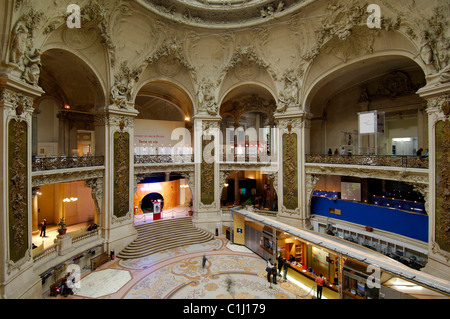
point(342, 152)
point(273, 271)
point(66, 286)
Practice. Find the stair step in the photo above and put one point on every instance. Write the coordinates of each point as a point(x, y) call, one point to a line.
point(162, 235)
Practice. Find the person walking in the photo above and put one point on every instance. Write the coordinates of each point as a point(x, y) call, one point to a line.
point(319, 281)
point(204, 261)
point(43, 228)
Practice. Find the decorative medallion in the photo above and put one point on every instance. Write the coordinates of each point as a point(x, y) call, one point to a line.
point(246, 70)
point(168, 66)
point(81, 38)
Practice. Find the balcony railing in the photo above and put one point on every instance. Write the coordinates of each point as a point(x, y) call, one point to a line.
point(255, 158)
point(404, 161)
point(163, 159)
point(64, 162)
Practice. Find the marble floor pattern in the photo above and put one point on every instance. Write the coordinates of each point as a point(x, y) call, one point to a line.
point(231, 271)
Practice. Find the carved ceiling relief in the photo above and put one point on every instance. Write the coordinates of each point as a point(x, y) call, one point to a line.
point(392, 85)
point(250, 104)
point(208, 52)
point(343, 32)
point(207, 13)
point(245, 55)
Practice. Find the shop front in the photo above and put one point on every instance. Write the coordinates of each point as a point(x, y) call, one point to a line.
point(309, 261)
point(360, 276)
point(306, 261)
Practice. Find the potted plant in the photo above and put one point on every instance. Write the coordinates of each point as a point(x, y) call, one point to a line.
point(191, 212)
point(62, 226)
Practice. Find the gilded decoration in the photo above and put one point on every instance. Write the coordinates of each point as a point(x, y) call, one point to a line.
point(290, 171)
point(207, 177)
point(442, 228)
point(17, 189)
point(121, 173)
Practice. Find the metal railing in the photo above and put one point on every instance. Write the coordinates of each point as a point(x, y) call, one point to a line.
point(404, 161)
point(65, 162)
point(163, 159)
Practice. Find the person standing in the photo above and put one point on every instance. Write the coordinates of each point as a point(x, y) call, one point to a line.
point(285, 269)
point(43, 228)
point(269, 269)
point(419, 152)
point(274, 274)
point(280, 264)
point(319, 281)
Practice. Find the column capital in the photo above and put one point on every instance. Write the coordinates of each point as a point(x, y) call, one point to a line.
point(114, 118)
point(13, 84)
point(293, 121)
point(436, 96)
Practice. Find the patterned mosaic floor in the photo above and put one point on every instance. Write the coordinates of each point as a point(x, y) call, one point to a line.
point(230, 272)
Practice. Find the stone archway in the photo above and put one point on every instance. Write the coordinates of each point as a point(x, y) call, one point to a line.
point(149, 199)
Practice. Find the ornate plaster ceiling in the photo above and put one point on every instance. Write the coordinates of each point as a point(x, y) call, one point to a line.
point(223, 13)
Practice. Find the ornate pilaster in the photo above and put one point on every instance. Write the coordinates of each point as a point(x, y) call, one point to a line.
point(16, 113)
point(438, 205)
point(206, 153)
point(115, 206)
point(290, 189)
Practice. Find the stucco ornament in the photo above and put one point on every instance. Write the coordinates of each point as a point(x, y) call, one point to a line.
point(122, 90)
point(206, 100)
point(289, 96)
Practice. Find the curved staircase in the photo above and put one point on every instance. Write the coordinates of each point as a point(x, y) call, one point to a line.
point(164, 234)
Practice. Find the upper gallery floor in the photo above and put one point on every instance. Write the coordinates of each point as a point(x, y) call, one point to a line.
point(329, 71)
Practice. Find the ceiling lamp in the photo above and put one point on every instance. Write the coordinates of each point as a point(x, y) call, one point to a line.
point(70, 199)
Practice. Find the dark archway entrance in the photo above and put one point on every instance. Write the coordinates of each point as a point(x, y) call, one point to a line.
point(147, 202)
